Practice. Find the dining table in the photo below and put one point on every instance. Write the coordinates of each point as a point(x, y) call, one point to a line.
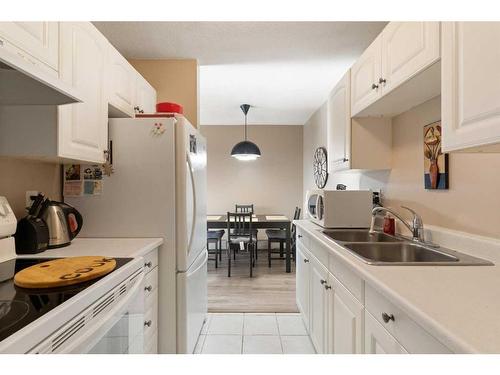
point(274, 221)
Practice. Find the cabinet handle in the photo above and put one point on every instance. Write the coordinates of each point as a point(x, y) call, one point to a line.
point(341, 160)
point(386, 317)
point(306, 260)
point(327, 287)
point(149, 288)
point(147, 323)
point(374, 86)
point(136, 108)
point(299, 235)
point(148, 264)
point(382, 81)
point(323, 282)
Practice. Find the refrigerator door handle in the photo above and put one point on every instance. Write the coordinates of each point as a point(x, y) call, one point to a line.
point(193, 190)
point(205, 260)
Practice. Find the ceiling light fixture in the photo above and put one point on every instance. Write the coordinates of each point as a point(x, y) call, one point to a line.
point(245, 150)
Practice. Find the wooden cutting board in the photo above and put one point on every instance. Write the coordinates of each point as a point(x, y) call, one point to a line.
point(63, 272)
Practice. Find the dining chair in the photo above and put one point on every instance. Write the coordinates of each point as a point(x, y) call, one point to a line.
point(248, 208)
point(279, 235)
point(215, 237)
point(239, 234)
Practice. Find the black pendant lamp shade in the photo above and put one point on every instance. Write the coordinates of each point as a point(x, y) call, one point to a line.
point(245, 150)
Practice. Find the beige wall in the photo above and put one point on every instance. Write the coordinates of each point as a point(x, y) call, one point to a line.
point(17, 176)
point(273, 183)
point(472, 202)
point(175, 81)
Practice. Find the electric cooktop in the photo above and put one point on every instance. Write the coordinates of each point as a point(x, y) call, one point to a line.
point(20, 306)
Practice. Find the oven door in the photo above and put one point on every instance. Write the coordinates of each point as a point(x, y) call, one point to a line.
point(112, 325)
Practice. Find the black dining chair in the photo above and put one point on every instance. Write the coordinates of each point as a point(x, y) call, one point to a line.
point(279, 236)
point(215, 237)
point(239, 234)
point(248, 208)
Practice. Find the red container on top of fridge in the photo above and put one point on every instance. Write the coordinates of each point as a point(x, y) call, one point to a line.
point(166, 107)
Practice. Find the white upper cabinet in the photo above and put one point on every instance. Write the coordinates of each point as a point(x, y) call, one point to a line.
point(339, 125)
point(121, 79)
point(470, 86)
point(365, 76)
point(83, 127)
point(37, 41)
point(29, 65)
point(394, 74)
point(407, 48)
point(145, 96)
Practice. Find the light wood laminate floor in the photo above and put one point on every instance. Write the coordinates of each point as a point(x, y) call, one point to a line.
point(270, 290)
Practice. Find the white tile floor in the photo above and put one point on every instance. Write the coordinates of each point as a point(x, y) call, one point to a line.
point(254, 334)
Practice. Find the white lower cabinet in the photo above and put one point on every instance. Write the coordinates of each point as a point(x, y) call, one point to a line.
point(378, 340)
point(302, 282)
point(318, 282)
point(345, 319)
point(151, 302)
point(346, 315)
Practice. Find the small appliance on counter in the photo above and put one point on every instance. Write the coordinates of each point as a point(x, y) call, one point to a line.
point(63, 221)
point(340, 208)
point(49, 224)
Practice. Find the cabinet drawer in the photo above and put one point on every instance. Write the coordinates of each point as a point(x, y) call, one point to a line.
point(303, 237)
point(347, 277)
point(413, 337)
point(320, 252)
point(150, 299)
point(151, 260)
point(151, 282)
point(150, 323)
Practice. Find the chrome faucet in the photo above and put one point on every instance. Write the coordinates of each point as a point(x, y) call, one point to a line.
point(417, 227)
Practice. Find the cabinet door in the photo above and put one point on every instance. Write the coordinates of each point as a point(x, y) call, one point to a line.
point(407, 49)
point(470, 85)
point(345, 333)
point(318, 305)
point(339, 125)
point(378, 340)
point(365, 76)
point(40, 40)
point(302, 283)
point(121, 84)
point(145, 96)
point(83, 127)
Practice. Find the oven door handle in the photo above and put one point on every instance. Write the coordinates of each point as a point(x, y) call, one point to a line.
point(87, 339)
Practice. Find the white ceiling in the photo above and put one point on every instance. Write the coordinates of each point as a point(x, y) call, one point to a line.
point(284, 69)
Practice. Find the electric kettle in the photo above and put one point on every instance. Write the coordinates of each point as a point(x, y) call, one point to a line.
point(63, 221)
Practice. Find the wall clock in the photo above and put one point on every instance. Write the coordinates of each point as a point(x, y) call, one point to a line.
point(320, 167)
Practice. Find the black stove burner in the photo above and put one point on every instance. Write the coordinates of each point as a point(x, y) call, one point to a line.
point(21, 306)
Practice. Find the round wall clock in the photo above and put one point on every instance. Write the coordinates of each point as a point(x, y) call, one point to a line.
point(320, 167)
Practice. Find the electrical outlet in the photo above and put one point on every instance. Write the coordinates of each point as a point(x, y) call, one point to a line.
point(29, 194)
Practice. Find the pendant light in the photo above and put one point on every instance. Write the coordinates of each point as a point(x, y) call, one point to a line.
point(245, 150)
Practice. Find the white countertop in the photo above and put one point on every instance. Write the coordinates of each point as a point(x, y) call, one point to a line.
point(109, 247)
point(458, 305)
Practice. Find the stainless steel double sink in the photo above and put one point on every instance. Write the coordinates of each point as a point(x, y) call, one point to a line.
point(382, 249)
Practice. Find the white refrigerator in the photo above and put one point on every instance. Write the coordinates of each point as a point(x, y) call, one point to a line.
point(158, 189)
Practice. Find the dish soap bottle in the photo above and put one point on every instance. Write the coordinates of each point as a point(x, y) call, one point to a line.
point(389, 224)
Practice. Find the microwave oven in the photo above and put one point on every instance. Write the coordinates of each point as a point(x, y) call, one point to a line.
point(340, 208)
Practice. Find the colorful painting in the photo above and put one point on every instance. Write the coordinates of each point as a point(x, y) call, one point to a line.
point(435, 162)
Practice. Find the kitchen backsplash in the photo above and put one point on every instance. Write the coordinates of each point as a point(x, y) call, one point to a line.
point(19, 175)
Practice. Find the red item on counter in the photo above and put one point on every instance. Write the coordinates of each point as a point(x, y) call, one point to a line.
point(167, 107)
point(389, 225)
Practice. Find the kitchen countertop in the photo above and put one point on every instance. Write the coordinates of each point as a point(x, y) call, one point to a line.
point(458, 305)
point(110, 247)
